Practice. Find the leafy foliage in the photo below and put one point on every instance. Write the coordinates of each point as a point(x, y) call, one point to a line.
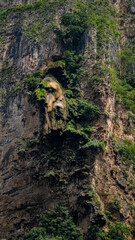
point(123, 79)
point(118, 231)
point(87, 110)
point(114, 203)
point(36, 83)
point(79, 112)
point(55, 224)
point(73, 25)
point(95, 14)
point(126, 152)
point(124, 91)
point(127, 60)
point(94, 145)
point(72, 64)
point(37, 233)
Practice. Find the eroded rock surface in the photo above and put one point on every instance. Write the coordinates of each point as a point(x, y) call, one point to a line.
point(8, 3)
point(32, 178)
point(55, 106)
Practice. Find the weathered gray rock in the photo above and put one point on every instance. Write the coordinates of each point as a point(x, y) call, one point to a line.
point(133, 9)
point(26, 190)
point(9, 3)
point(133, 67)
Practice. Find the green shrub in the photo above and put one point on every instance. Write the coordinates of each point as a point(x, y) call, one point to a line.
point(36, 85)
point(125, 93)
point(87, 110)
point(58, 223)
point(80, 110)
point(37, 233)
point(126, 152)
point(72, 60)
point(78, 113)
point(123, 81)
point(94, 232)
point(114, 203)
point(79, 135)
point(95, 144)
point(55, 225)
point(117, 231)
point(127, 59)
point(73, 27)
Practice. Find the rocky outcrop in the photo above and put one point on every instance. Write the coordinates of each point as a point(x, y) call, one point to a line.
point(133, 7)
point(55, 109)
point(8, 3)
point(35, 173)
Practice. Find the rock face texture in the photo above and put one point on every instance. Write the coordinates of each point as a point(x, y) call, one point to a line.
point(55, 101)
point(35, 175)
point(10, 3)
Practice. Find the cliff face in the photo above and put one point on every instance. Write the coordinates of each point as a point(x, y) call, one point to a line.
point(38, 170)
point(10, 3)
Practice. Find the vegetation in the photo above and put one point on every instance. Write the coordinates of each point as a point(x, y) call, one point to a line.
point(126, 152)
point(118, 231)
point(123, 80)
point(79, 112)
point(95, 14)
point(55, 224)
point(95, 144)
point(125, 93)
point(114, 203)
point(58, 225)
point(75, 25)
point(27, 143)
point(39, 19)
point(36, 85)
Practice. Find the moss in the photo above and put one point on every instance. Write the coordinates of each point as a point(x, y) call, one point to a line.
point(38, 29)
point(95, 144)
point(36, 23)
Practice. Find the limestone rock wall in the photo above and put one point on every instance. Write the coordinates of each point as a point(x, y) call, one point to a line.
point(10, 3)
point(26, 191)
